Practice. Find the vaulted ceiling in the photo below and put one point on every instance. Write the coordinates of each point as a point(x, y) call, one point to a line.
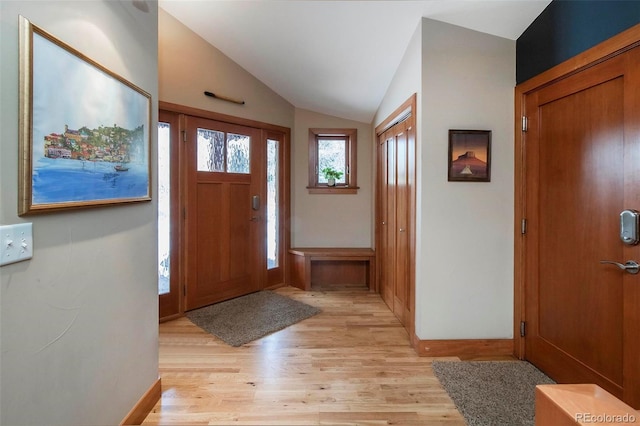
point(336, 57)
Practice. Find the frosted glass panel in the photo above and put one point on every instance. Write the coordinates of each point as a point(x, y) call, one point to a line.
point(210, 151)
point(331, 153)
point(164, 211)
point(238, 153)
point(272, 203)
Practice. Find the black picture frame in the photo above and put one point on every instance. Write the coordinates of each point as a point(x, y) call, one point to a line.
point(469, 156)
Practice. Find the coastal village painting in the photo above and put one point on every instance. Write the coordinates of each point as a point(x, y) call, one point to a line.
point(84, 165)
point(110, 144)
point(89, 141)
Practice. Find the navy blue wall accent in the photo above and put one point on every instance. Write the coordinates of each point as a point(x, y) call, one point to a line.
point(569, 27)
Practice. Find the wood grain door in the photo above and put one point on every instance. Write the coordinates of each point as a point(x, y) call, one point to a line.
point(225, 229)
point(401, 288)
point(582, 168)
point(387, 205)
point(394, 161)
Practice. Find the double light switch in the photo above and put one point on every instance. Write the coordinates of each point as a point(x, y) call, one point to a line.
point(16, 243)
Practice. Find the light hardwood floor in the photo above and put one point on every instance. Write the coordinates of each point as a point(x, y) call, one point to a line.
point(350, 365)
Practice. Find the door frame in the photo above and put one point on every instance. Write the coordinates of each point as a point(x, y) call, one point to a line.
point(612, 47)
point(285, 206)
point(408, 107)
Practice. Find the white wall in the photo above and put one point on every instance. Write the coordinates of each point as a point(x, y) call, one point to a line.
point(189, 65)
point(330, 220)
point(406, 81)
point(79, 321)
point(464, 245)
point(465, 286)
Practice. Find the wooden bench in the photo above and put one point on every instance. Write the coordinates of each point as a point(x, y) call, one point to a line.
point(580, 404)
point(332, 266)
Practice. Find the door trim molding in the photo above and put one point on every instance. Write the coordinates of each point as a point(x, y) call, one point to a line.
point(614, 46)
point(203, 113)
point(408, 108)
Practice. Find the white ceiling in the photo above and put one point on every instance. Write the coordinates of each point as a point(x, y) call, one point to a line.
point(336, 57)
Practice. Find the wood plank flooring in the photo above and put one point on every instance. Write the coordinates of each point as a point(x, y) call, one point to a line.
point(349, 365)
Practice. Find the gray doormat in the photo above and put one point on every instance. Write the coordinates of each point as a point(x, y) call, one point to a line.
point(247, 318)
point(492, 393)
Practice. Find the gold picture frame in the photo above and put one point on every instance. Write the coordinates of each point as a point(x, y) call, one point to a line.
point(85, 137)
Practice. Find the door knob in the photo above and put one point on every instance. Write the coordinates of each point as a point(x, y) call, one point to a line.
point(630, 266)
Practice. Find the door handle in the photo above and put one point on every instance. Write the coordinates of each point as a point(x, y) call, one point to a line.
point(254, 218)
point(630, 266)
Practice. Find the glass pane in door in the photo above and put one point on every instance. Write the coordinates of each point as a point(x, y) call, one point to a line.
point(164, 211)
point(238, 153)
point(272, 203)
point(210, 151)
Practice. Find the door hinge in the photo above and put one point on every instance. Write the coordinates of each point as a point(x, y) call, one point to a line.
point(525, 123)
point(184, 136)
point(523, 226)
point(523, 328)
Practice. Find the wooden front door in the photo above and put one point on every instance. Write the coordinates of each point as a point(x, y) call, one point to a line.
point(225, 211)
point(582, 168)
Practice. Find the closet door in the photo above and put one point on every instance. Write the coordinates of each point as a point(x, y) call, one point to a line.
point(387, 186)
point(394, 182)
point(401, 287)
point(396, 212)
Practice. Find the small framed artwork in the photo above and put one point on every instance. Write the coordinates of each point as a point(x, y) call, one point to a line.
point(469, 155)
point(84, 131)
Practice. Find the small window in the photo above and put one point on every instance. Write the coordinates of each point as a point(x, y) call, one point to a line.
point(332, 150)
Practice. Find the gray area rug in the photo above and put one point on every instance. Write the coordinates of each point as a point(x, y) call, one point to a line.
point(492, 393)
point(247, 318)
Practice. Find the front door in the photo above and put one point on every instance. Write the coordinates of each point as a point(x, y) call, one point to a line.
point(582, 168)
point(225, 211)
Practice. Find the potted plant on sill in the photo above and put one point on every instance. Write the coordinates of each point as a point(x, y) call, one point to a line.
point(331, 174)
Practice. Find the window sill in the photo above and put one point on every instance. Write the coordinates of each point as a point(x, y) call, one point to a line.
point(333, 189)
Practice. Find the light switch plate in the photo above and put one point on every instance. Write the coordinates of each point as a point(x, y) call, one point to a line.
point(16, 243)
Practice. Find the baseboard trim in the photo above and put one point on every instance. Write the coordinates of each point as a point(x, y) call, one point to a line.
point(465, 347)
point(143, 407)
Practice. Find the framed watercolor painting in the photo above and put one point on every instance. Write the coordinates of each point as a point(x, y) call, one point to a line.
point(84, 131)
point(469, 155)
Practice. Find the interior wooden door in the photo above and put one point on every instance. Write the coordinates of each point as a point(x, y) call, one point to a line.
point(387, 202)
point(401, 289)
point(225, 210)
point(582, 168)
point(394, 197)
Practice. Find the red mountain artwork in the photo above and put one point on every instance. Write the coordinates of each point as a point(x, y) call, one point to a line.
point(468, 165)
